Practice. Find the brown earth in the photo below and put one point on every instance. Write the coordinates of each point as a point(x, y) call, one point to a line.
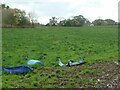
point(106, 76)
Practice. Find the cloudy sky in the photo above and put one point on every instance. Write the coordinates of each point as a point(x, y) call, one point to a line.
point(45, 9)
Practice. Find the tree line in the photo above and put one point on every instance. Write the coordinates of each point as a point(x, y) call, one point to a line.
point(13, 17)
point(77, 21)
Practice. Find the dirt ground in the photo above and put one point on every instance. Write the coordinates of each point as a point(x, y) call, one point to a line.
point(107, 75)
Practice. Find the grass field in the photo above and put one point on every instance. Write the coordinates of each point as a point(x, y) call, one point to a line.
point(94, 44)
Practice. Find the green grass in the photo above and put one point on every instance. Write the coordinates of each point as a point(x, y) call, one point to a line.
point(47, 43)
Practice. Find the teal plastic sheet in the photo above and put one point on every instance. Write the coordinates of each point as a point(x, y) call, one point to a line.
point(33, 62)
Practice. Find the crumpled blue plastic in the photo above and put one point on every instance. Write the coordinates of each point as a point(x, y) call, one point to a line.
point(17, 69)
point(70, 62)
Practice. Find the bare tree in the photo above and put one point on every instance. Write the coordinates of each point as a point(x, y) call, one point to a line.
point(33, 18)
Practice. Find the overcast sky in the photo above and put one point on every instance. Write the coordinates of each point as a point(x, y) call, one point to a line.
point(45, 9)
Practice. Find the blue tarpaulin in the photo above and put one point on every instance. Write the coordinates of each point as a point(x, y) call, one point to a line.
point(17, 69)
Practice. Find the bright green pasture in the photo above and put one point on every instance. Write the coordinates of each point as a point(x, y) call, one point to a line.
point(47, 43)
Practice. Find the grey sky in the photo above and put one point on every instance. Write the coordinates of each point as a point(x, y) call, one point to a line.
point(45, 9)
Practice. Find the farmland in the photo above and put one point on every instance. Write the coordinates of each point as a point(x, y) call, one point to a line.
point(97, 45)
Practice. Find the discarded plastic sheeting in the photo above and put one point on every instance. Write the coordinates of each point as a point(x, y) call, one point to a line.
point(70, 62)
point(60, 63)
point(17, 69)
point(75, 63)
point(32, 62)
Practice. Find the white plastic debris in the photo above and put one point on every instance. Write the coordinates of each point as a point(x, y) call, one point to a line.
point(32, 62)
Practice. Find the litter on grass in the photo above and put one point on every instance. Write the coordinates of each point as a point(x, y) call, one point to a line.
point(70, 62)
point(24, 69)
point(17, 69)
point(32, 62)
